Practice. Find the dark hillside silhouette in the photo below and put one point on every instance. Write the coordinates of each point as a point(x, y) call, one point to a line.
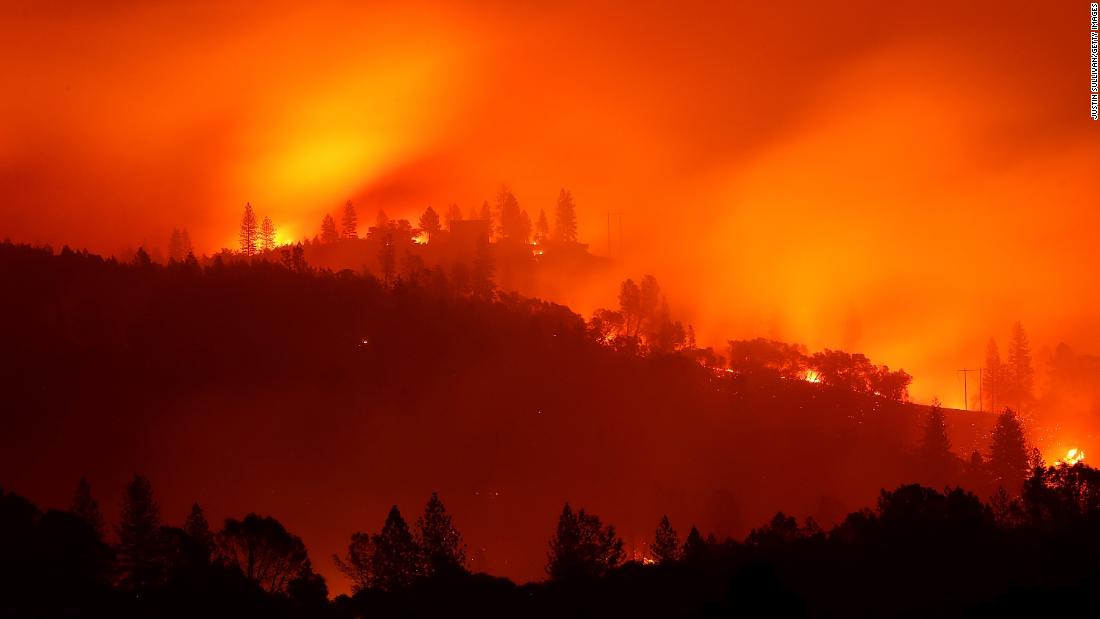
point(918, 552)
point(326, 397)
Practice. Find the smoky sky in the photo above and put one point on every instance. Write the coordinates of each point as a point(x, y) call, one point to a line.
point(904, 178)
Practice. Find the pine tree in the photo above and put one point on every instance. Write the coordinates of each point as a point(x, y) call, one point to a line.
point(139, 558)
point(328, 230)
point(1008, 456)
point(395, 560)
point(429, 222)
point(695, 547)
point(198, 528)
point(453, 215)
point(440, 542)
point(565, 218)
point(175, 246)
point(349, 222)
point(1020, 371)
point(934, 450)
point(86, 507)
point(510, 216)
point(666, 546)
point(248, 236)
point(993, 375)
point(267, 235)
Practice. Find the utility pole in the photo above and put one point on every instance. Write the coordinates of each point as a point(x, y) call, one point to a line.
point(965, 371)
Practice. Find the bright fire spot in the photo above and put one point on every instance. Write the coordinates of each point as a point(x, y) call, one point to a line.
point(1073, 456)
point(421, 238)
point(812, 377)
point(648, 561)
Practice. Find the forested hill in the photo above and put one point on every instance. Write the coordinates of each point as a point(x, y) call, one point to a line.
point(324, 398)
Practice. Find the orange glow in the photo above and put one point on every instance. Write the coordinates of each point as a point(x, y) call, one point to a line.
point(904, 180)
point(1073, 456)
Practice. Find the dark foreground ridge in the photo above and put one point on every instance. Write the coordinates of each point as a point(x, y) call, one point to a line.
point(918, 553)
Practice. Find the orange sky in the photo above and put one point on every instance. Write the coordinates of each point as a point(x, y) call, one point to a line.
point(902, 178)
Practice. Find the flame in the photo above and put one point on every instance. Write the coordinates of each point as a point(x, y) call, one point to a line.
point(421, 238)
point(812, 377)
point(1073, 456)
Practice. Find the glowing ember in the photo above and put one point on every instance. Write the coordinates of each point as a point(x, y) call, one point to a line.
point(812, 377)
point(1073, 456)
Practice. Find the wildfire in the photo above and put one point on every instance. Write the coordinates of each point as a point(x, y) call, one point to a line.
point(421, 238)
point(1073, 456)
point(812, 377)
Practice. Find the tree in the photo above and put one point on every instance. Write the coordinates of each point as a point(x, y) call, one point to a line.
point(666, 546)
point(510, 216)
point(198, 529)
point(328, 230)
point(267, 235)
point(1008, 456)
point(429, 222)
point(440, 542)
point(264, 551)
point(934, 451)
point(86, 507)
point(695, 547)
point(630, 305)
point(767, 357)
point(453, 215)
point(179, 245)
point(782, 529)
point(993, 375)
point(139, 558)
point(1020, 372)
point(837, 368)
point(248, 237)
point(349, 222)
point(395, 560)
point(565, 218)
point(358, 563)
point(582, 547)
point(542, 228)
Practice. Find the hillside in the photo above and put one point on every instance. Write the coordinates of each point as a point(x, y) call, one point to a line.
point(324, 398)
